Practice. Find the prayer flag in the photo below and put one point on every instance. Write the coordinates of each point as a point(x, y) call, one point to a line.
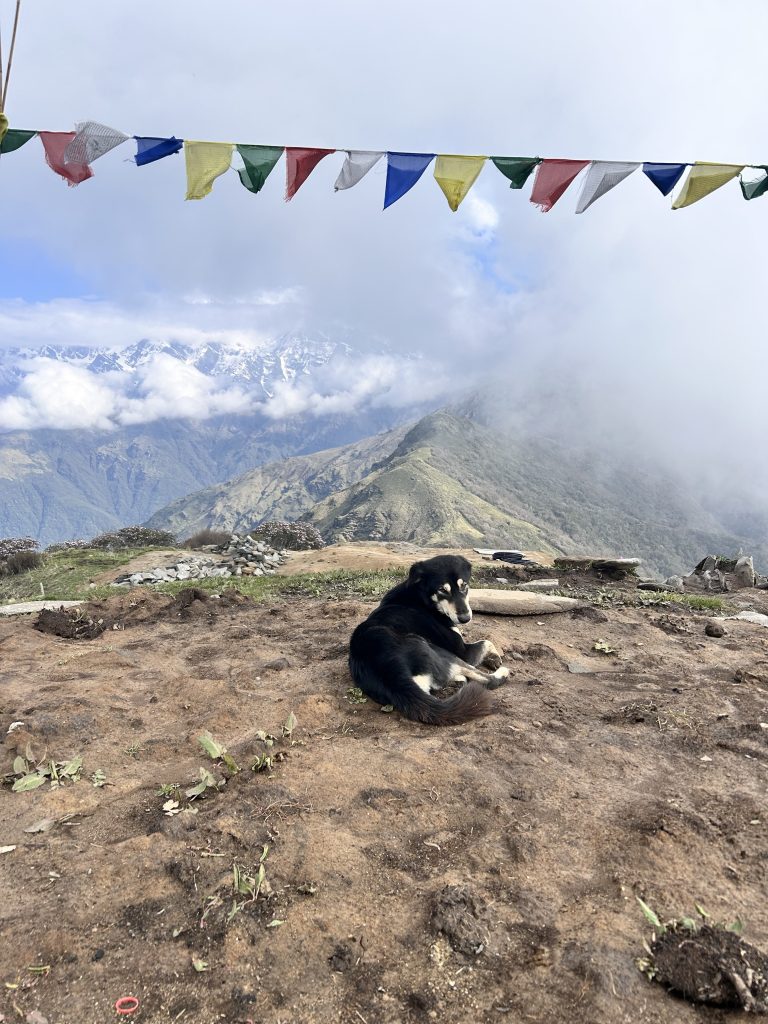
point(552, 179)
point(602, 176)
point(517, 168)
point(92, 141)
point(664, 176)
point(149, 148)
point(355, 167)
point(703, 179)
point(299, 164)
point(259, 162)
point(3, 126)
point(55, 145)
point(403, 171)
point(14, 139)
point(205, 162)
point(456, 175)
point(758, 187)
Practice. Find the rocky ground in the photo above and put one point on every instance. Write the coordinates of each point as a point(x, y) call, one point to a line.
point(372, 869)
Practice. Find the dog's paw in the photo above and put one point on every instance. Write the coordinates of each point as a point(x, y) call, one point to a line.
point(492, 657)
point(501, 675)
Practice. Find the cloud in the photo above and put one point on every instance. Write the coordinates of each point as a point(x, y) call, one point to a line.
point(349, 384)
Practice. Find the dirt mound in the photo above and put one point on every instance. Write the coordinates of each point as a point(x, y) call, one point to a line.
point(71, 623)
point(712, 965)
point(140, 607)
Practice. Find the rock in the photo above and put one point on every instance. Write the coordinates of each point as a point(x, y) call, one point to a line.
point(516, 602)
point(744, 573)
point(675, 584)
point(539, 585)
point(590, 562)
point(714, 629)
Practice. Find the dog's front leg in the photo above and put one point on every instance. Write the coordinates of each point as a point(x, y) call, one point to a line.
point(483, 652)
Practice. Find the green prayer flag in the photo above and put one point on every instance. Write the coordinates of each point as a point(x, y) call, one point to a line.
point(259, 161)
point(755, 189)
point(517, 168)
point(15, 138)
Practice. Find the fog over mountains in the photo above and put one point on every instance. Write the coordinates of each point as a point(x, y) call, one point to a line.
point(106, 437)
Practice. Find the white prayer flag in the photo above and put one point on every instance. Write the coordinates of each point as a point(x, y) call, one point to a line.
point(602, 176)
point(92, 141)
point(356, 166)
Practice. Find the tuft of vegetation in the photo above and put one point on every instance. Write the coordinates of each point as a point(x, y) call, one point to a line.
point(292, 536)
point(13, 545)
point(205, 538)
point(21, 562)
point(66, 576)
point(133, 537)
point(699, 602)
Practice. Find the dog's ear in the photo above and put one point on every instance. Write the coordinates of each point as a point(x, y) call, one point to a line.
point(417, 572)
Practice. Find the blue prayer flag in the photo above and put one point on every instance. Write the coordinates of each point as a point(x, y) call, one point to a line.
point(403, 171)
point(664, 176)
point(149, 149)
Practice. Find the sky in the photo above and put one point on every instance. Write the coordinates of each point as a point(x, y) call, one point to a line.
point(629, 321)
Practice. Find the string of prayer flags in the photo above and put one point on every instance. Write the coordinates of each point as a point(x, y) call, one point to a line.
point(552, 179)
point(456, 175)
point(299, 164)
point(664, 176)
point(355, 167)
point(3, 124)
point(92, 141)
point(703, 179)
point(14, 139)
point(55, 145)
point(602, 176)
point(758, 187)
point(259, 162)
point(149, 148)
point(517, 168)
point(205, 161)
point(403, 171)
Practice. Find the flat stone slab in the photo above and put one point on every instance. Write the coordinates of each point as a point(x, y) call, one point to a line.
point(519, 602)
point(30, 607)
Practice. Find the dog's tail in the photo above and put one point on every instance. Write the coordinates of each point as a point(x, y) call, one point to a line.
point(471, 701)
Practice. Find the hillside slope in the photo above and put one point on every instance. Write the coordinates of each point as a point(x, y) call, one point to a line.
point(450, 480)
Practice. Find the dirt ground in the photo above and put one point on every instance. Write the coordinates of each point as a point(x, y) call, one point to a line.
point(376, 555)
point(480, 873)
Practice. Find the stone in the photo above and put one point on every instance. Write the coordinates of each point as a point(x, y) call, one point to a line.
point(744, 573)
point(675, 584)
point(714, 629)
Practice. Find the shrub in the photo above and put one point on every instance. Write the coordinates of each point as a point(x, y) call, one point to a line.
point(133, 537)
point(205, 537)
point(11, 545)
point(22, 561)
point(67, 545)
point(293, 536)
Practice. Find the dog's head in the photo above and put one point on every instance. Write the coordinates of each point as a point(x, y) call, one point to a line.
point(443, 584)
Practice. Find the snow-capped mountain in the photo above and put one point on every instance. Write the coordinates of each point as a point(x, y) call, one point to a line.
point(281, 359)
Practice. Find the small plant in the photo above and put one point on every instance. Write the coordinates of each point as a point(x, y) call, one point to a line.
point(133, 750)
point(168, 789)
point(22, 562)
point(99, 778)
point(205, 781)
point(355, 695)
point(217, 752)
point(293, 536)
point(28, 775)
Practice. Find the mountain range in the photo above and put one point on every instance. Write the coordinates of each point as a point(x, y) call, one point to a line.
point(65, 484)
point(451, 479)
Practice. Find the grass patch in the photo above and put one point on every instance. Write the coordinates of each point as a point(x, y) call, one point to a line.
point(700, 602)
point(339, 584)
point(65, 575)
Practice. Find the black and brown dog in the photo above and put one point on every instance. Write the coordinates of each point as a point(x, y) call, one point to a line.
point(411, 645)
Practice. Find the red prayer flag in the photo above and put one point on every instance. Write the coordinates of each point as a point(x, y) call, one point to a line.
point(55, 144)
point(299, 164)
point(552, 179)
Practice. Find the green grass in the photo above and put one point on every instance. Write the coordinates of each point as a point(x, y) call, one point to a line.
point(698, 601)
point(64, 576)
point(339, 584)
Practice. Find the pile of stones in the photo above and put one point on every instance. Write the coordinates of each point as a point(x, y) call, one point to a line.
point(243, 556)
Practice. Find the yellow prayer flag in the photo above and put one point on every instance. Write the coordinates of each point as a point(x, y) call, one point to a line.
point(3, 125)
point(205, 162)
point(456, 175)
point(703, 179)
